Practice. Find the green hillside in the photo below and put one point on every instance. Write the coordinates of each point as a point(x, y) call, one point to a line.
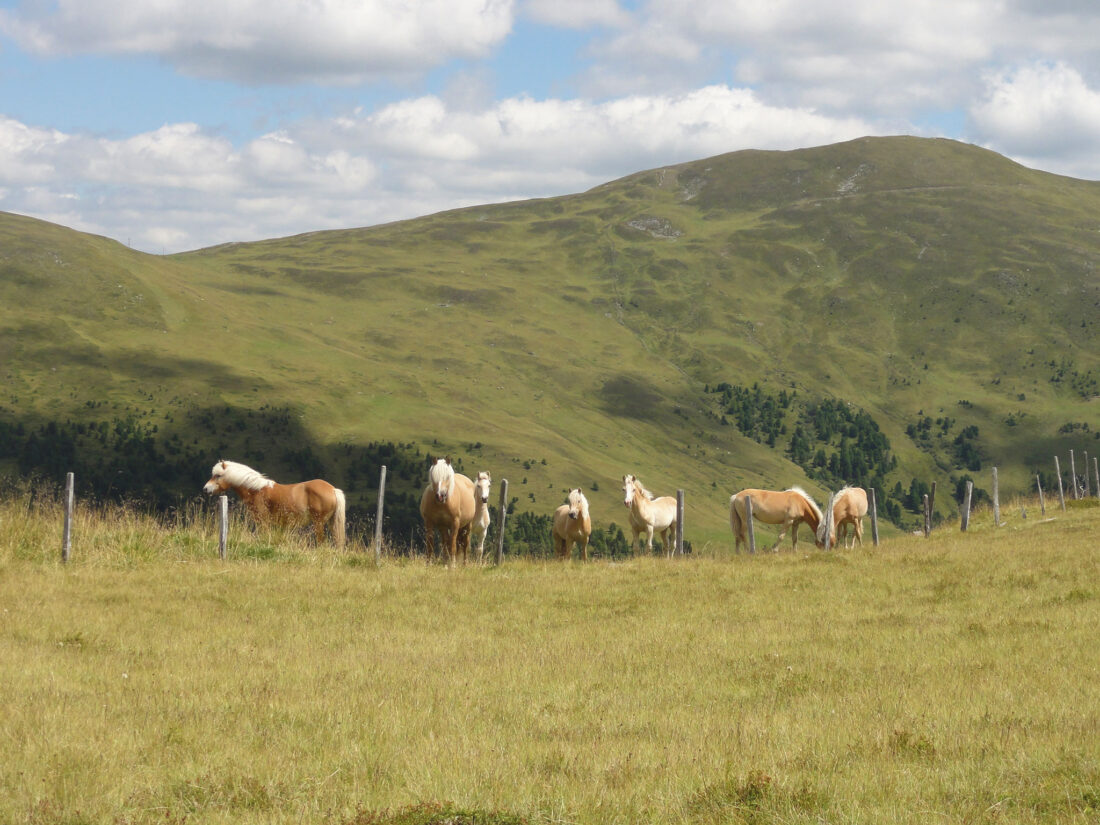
point(904, 310)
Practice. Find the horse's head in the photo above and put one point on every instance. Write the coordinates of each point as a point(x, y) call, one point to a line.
point(217, 483)
point(578, 504)
point(481, 487)
point(442, 478)
point(628, 489)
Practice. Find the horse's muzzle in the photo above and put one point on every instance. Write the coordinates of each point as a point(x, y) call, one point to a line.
point(441, 497)
point(572, 515)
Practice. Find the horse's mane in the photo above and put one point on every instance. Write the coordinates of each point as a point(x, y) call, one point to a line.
point(646, 492)
point(441, 466)
point(240, 475)
point(582, 502)
point(809, 500)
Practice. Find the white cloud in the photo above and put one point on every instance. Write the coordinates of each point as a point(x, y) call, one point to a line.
point(576, 14)
point(862, 57)
point(326, 41)
point(1044, 115)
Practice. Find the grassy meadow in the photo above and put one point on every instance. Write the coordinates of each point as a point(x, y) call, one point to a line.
point(949, 679)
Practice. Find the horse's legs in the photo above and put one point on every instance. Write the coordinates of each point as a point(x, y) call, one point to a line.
point(649, 539)
point(859, 532)
point(584, 548)
point(464, 538)
point(783, 528)
point(429, 541)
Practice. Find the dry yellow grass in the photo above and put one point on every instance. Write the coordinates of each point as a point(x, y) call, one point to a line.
point(952, 679)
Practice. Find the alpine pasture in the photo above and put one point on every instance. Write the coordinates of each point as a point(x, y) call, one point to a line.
point(943, 679)
point(889, 313)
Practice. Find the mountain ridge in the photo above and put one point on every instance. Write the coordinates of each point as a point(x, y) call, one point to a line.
point(911, 278)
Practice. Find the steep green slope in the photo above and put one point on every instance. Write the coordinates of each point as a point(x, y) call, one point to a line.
point(563, 342)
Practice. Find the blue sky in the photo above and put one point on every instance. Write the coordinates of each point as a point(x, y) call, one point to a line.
point(187, 123)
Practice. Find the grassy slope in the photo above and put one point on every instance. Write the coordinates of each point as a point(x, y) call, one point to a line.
point(900, 274)
point(949, 679)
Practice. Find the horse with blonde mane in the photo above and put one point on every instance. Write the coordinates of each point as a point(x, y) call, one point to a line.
point(283, 504)
point(572, 526)
point(479, 526)
point(447, 505)
point(788, 508)
point(849, 508)
point(649, 514)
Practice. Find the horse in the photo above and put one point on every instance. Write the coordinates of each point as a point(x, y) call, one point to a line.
point(479, 526)
point(649, 514)
point(447, 505)
point(788, 508)
point(849, 508)
point(283, 504)
point(572, 525)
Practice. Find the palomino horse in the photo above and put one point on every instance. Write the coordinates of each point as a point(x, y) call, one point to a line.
point(788, 508)
point(282, 503)
point(649, 514)
point(448, 506)
point(572, 525)
point(849, 508)
point(480, 524)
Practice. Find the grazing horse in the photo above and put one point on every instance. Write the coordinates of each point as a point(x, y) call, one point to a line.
point(849, 508)
point(480, 524)
point(649, 514)
point(788, 508)
point(572, 525)
point(447, 505)
point(282, 503)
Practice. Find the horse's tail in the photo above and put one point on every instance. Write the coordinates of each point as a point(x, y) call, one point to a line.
point(339, 520)
point(735, 518)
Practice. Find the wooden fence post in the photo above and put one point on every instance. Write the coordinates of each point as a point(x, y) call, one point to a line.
point(1073, 475)
point(966, 506)
point(1061, 492)
point(927, 518)
point(996, 500)
point(679, 522)
point(931, 506)
point(1096, 475)
point(378, 517)
point(748, 525)
point(67, 529)
point(874, 518)
point(223, 525)
point(1085, 457)
point(1042, 503)
point(503, 515)
point(829, 522)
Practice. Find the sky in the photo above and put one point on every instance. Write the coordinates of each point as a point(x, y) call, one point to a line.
point(179, 124)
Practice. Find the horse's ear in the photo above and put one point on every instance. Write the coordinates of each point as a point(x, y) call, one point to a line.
point(225, 465)
point(448, 460)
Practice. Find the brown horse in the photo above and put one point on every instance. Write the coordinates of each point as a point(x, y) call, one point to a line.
point(788, 508)
point(849, 508)
point(447, 505)
point(572, 525)
point(282, 504)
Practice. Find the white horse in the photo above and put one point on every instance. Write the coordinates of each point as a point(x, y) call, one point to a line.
point(479, 527)
point(572, 525)
point(649, 514)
